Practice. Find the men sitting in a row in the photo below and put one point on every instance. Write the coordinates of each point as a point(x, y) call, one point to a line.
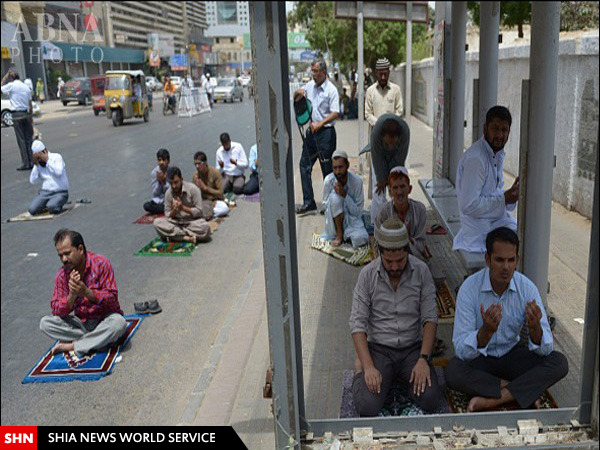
point(185, 213)
point(48, 167)
point(160, 184)
point(343, 201)
point(394, 305)
point(86, 315)
point(483, 203)
point(492, 306)
point(209, 181)
point(393, 324)
point(411, 212)
point(252, 186)
point(231, 163)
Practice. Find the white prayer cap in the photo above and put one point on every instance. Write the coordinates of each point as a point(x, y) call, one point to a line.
point(37, 146)
point(340, 154)
point(401, 169)
point(392, 234)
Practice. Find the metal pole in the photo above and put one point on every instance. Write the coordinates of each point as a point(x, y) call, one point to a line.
point(589, 360)
point(272, 105)
point(488, 60)
point(457, 105)
point(408, 100)
point(543, 70)
point(361, 76)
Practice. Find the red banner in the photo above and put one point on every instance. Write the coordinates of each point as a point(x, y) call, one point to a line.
point(18, 438)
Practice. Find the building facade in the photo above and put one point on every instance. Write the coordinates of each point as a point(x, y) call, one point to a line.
point(229, 27)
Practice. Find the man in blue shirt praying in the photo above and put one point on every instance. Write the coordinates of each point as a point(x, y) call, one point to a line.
point(491, 364)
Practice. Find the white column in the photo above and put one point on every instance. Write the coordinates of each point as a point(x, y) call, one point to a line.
point(543, 70)
point(488, 60)
point(408, 78)
point(457, 99)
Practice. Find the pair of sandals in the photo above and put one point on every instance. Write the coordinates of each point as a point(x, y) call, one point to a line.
point(151, 307)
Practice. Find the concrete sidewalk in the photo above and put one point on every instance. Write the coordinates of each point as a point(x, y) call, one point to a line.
point(229, 390)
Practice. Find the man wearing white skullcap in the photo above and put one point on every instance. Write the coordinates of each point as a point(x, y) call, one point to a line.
point(50, 169)
point(393, 325)
point(343, 201)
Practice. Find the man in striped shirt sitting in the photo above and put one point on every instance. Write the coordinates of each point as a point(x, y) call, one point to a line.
point(86, 315)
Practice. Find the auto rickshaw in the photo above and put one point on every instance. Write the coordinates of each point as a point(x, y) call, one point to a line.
point(125, 95)
point(97, 85)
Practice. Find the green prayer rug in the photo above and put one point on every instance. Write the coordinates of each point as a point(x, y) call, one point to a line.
point(158, 247)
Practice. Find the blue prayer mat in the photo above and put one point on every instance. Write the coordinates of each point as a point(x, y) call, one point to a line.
point(64, 367)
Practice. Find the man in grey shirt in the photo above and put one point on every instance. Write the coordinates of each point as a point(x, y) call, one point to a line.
point(393, 324)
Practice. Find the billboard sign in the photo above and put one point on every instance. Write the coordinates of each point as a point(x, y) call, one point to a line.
point(178, 62)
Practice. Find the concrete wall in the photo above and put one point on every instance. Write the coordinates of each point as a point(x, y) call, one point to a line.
point(576, 127)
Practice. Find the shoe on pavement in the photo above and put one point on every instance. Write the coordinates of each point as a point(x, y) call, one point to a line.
point(153, 307)
point(303, 209)
point(141, 307)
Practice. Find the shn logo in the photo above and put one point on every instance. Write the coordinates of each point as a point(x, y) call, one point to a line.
point(18, 438)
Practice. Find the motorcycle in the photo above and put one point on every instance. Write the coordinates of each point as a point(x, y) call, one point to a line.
point(169, 103)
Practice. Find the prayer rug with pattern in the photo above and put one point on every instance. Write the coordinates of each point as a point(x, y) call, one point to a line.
point(64, 367)
point(356, 257)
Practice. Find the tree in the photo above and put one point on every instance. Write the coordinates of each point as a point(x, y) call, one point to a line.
point(338, 36)
point(511, 14)
point(578, 15)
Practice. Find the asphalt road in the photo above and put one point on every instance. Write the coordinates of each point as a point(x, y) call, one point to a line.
point(111, 167)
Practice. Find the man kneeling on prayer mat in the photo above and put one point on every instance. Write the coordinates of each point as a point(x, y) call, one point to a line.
point(183, 219)
point(86, 315)
point(492, 364)
point(393, 324)
point(411, 212)
point(343, 200)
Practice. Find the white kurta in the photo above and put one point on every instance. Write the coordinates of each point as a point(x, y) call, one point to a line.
point(351, 206)
point(479, 187)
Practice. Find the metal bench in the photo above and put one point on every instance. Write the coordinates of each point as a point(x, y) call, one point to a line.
point(441, 195)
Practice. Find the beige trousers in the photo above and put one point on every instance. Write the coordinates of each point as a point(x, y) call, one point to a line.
point(176, 230)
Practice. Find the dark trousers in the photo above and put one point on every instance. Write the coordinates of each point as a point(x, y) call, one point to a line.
point(528, 373)
point(24, 132)
point(154, 208)
point(251, 187)
point(316, 146)
point(393, 363)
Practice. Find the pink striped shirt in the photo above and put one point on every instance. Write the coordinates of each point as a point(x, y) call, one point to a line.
point(100, 278)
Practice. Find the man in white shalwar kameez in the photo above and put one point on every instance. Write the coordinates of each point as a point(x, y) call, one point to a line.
point(343, 200)
point(484, 205)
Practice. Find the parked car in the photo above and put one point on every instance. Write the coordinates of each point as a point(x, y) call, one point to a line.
point(229, 89)
point(7, 111)
point(153, 84)
point(77, 90)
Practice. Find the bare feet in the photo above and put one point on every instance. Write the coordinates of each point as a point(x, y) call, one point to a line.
point(336, 242)
point(62, 347)
point(191, 239)
point(538, 403)
point(486, 403)
point(479, 404)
